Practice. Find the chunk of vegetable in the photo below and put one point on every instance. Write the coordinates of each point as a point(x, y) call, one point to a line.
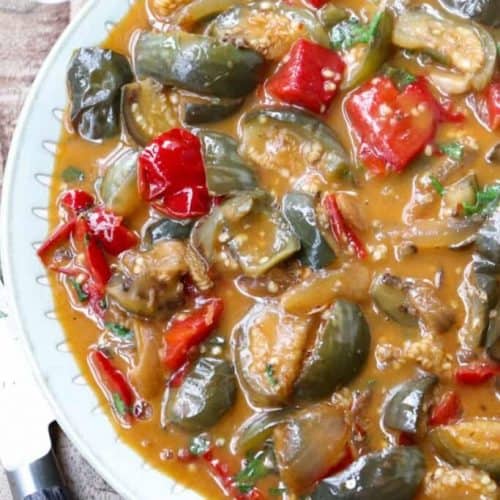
point(147, 111)
point(119, 185)
point(394, 473)
point(488, 239)
point(206, 110)
point(309, 444)
point(299, 210)
point(167, 229)
point(403, 410)
point(493, 104)
point(390, 295)
point(472, 442)
point(95, 78)
point(197, 63)
point(206, 395)
point(389, 145)
point(350, 282)
point(252, 213)
point(172, 175)
point(459, 195)
point(483, 11)
point(310, 143)
point(58, 238)
point(447, 410)
point(75, 201)
point(269, 31)
point(466, 47)
point(338, 355)
point(309, 78)
point(268, 350)
point(330, 15)
point(492, 340)
point(184, 334)
point(226, 170)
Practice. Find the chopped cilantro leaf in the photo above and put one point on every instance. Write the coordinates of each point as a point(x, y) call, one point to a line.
point(399, 76)
point(276, 491)
point(351, 32)
point(120, 406)
point(119, 330)
point(2, 315)
point(82, 295)
point(454, 150)
point(254, 470)
point(486, 201)
point(72, 174)
point(271, 375)
point(199, 445)
point(437, 185)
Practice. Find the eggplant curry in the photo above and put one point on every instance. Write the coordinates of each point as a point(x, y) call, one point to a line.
point(275, 244)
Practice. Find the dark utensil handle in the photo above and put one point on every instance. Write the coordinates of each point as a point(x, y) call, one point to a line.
point(40, 480)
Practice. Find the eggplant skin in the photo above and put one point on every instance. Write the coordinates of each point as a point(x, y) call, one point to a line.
point(339, 353)
point(197, 63)
point(94, 81)
point(394, 473)
point(488, 238)
point(482, 11)
point(206, 395)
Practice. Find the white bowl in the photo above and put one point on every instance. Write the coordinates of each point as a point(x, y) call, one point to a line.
point(23, 224)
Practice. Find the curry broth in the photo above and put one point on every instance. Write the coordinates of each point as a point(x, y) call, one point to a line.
point(379, 203)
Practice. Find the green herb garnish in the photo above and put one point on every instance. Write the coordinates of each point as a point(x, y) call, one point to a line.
point(437, 185)
point(253, 471)
point(454, 150)
point(119, 330)
point(351, 32)
point(276, 491)
point(399, 76)
point(121, 408)
point(271, 375)
point(199, 445)
point(2, 315)
point(72, 174)
point(82, 295)
point(486, 201)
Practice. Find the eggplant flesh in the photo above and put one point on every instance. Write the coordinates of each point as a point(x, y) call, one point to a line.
point(394, 473)
point(197, 63)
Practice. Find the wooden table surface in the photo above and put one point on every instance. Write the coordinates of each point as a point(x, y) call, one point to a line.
point(28, 30)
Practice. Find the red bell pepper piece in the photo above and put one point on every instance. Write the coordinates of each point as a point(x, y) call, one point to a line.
point(172, 175)
point(393, 126)
point(115, 383)
point(110, 231)
point(447, 410)
point(493, 105)
point(59, 237)
point(184, 334)
point(309, 78)
point(476, 374)
point(340, 228)
point(406, 439)
point(97, 300)
point(317, 3)
point(97, 264)
point(76, 201)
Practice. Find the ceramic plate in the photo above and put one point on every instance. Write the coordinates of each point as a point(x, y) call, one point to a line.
point(23, 225)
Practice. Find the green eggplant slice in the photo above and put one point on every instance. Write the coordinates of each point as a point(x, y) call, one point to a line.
point(473, 443)
point(394, 473)
point(268, 348)
point(207, 393)
point(309, 443)
point(390, 295)
point(375, 54)
point(167, 229)
point(197, 63)
point(299, 211)
point(488, 239)
point(119, 185)
point(492, 340)
point(482, 11)
point(146, 111)
point(199, 110)
point(226, 170)
point(268, 30)
point(310, 142)
point(463, 46)
point(330, 15)
point(94, 81)
point(403, 409)
point(338, 355)
point(251, 213)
